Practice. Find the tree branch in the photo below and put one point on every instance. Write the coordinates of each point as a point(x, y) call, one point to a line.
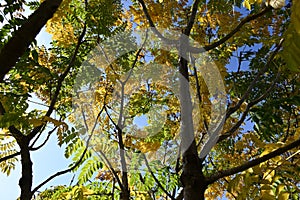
point(180, 195)
point(152, 25)
point(156, 180)
point(77, 163)
point(249, 106)
point(63, 76)
point(190, 25)
point(191, 21)
point(61, 172)
point(232, 33)
point(253, 162)
point(60, 81)
point(38, 135)
point(22, 38)
point(252, 84)
point(111, 169)
point(9, 156)
point(17, 134)
point(45, 141)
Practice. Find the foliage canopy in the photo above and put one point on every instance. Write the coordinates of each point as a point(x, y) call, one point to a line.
point(112, 64)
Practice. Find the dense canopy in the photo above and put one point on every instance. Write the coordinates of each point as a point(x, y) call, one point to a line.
point(164, 99)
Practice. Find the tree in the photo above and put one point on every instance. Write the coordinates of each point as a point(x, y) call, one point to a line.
point(221, 153)
point(26, 70)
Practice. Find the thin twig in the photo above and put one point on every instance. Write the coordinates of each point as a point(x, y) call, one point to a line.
point(45, 141)
point(232, 33)
point(190, 24)
point(60, 81)
point(156, 180)
point(253, 83)
point(111, 169)
point(248, 107)
point(76, 164)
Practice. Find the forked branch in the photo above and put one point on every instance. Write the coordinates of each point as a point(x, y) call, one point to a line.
point(152, 25)
point(191, 23)
point(249, 106)
point(232, 33)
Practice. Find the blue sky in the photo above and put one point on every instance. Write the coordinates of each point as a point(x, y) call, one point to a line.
point(46, 161)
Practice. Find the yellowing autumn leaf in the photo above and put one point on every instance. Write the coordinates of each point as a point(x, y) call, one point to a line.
point(55, 122)
point(283, 196)
point(148, 146)
point(291, 44)
point(266, 195)
point(39, 122)
point(247, 5)
point(36, 122)
point(269, 174)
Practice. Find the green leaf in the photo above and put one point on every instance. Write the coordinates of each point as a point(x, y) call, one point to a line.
point(291, 50)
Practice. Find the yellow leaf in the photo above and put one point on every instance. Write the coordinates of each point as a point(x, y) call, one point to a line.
point(36, 122)
point(267, 197)
point(56, 122)
point(247, 5)
point(283, 196)
point(148, 146)
point(266, 187)
point(87, 191)
point(277, 3)
point(269, 174)
point(59, 135)
point(280, 188)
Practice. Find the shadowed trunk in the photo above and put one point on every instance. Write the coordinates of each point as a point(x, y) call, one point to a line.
point(125, 194)
point(192, 178)
point(24, 36)
point(25, 181)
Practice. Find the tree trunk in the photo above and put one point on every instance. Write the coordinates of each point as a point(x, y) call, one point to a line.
point(25, 181)
point(23, 37)
point(192, 178)
point(125, 192)
point(125, 195)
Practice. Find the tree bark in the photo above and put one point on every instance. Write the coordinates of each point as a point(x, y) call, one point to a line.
point(192, 177)
point(23, 37)
point(25, 181)
point(125, 194)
